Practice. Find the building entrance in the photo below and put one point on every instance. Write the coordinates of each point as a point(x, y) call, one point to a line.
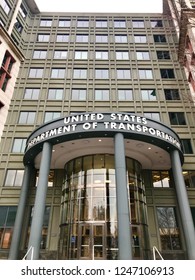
point(92, 242)
point(89, 211)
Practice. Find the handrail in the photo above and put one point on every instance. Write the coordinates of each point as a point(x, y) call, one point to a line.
point(154, 249)
point(30, 249)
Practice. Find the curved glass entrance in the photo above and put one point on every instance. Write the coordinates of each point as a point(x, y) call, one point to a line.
point(88, 227)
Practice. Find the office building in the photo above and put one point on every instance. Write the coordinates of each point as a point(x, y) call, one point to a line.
point(97, 136)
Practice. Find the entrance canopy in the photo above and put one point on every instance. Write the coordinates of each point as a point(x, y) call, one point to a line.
point(146, 140)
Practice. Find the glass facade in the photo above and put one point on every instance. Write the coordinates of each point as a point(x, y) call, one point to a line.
point(88, 227)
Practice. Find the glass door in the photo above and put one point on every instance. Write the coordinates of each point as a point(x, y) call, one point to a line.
point(92, 242)
point(98, 242)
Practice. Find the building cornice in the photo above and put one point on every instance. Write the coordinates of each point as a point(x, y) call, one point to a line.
point(32, 6)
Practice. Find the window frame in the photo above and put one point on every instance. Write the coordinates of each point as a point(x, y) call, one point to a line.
point(58, 73)
point(167, 73)
point(55, 94)
point(123, 74)
point(59, 54)
point(50, 116)
point(39, 54)
point(145, 74)
point(101, 74)
point(125, 94)
point(35, 73)
point(32, 93)
point(148, 94)
point(177, 118)
point(79, 73)
point(138, 24)
point(14, 177)
point(101, 95)
point(20, 146)
point(78, 94)
point(27, 117)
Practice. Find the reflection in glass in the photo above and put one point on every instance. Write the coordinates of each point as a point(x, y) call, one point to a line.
point(89, 212)
point(168, 228)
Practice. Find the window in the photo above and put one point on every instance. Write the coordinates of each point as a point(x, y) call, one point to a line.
point(119, 24)
point(101, 74)
point(167, 73)
point(27, 117)
point(60, 54)
point(189, 178)
point(122, 55)
point(154, 116)
point(80, 73)
point(62, 38)
point(163, 54)
point(31, 93)
point(39, 54)
point(64, 23)
point(123, 74)
point(168, 228)
point(101, 38)
point(159, 39)
point(43, 38)
point(82, 38)
point(50, 182)
point(18, 26)
point(186, 146)
point(101, 23)
point(177, 118)
point(101, 94)
point(43, 242)
point(171, 94)
point(156, 23)
point(5, 70)
point(14, 178)
point(101, 55)
point(49, 116)
point(142, 55)
point(161, 179)
point(46, 22)
point(148, 94)
point(81, 55)
point(140, 39)
point(23, 11)
point(5, 6)
point(145, 74)
point(2, 23)
point(55, 94)
point(7, 220)
point(120, 39)
point(79, 94)
point(138, 23)
point(82, 23)
point(19, 145)
point(36, 73)
point(125, 94)
point(57, 73)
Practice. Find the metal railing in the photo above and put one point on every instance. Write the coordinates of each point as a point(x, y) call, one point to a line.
point(154, 250)
point(30, 251)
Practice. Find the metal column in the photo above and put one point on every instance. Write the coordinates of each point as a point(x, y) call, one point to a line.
point(123, 214)
point(185, 212)
point(14, 248)
point(39, 207)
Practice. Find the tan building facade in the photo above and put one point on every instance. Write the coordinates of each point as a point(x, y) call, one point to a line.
point(100, 123)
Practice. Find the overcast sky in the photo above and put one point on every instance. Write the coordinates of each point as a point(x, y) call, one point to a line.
point(120, 6)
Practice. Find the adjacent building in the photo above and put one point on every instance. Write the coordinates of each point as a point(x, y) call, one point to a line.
point(97, 135)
